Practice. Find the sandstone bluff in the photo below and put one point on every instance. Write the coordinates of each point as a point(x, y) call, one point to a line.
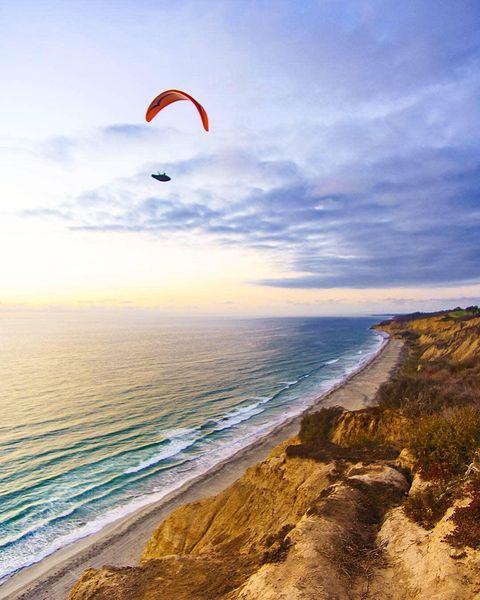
point(350, 509)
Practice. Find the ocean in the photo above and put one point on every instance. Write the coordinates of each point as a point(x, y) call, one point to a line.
point(101, 415)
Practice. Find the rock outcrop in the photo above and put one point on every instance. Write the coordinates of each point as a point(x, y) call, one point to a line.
point(420, 565)
point(441, 336)
point(319, 524)
point(288, 528)
point(333, 543)
point(382, 426)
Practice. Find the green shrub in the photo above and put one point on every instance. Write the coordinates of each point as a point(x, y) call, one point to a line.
point(426, 507)
point(445, 444)
point(316, 428)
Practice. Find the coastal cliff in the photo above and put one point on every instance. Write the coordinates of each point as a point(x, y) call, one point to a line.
point(383, 502)
point(288, 522)
point(441, 335)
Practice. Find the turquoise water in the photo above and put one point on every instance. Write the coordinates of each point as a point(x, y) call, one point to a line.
point(103, 415)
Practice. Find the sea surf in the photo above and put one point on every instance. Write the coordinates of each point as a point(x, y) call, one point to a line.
point(102, 416)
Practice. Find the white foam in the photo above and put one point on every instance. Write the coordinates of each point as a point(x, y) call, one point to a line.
point(171, 450)
point(180, 439)
point(38, 525)
point(204, 463)
point(238, 416)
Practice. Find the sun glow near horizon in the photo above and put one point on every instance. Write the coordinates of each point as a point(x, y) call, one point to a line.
point(358, 196)
point(82, 270)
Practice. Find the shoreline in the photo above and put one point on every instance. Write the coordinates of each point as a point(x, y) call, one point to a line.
point(121, 542)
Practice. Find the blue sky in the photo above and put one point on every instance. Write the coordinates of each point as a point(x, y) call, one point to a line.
point(340, 172)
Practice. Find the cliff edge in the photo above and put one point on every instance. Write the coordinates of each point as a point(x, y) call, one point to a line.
point(378, 503)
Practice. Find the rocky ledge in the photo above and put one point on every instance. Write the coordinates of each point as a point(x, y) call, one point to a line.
point(378, 503)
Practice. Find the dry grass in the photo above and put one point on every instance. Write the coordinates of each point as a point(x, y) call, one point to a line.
point(445, 444)
point(316, 428)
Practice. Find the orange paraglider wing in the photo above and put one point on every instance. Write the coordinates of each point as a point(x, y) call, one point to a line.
point(169, 96)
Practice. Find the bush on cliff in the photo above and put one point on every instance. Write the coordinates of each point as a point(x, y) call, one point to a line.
point(414, 394)
point(445, 444)
point(316, 428)
point(438, 385)
point(427, 506)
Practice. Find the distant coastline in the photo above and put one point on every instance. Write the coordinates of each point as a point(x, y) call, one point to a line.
point(358, 501)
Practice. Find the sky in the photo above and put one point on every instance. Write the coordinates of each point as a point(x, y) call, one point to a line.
point(340, 174)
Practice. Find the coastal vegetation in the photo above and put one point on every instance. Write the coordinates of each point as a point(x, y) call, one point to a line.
point(316, 428)
point(331, 434)
point(430, 410)
point(467, 312)
point(359, 500)
point(438, 389)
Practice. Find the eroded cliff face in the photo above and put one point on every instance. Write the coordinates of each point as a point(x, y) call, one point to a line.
point(420, 565)
point(315, 526)
point(441, 336)
point(256, 506)
point(298, 529)
point(289, 528)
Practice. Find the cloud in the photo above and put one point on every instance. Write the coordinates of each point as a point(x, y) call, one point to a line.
point(442, 301)
point(348, 155)
point(412, 221)
point(127, 130)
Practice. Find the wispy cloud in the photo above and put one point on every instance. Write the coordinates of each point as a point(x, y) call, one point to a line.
point(350, 155)
point(412, 221)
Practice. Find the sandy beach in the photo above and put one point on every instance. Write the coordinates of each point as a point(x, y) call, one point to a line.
point(122, 542)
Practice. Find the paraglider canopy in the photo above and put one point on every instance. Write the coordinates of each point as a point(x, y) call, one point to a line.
point(161, 176)
point(169, 96)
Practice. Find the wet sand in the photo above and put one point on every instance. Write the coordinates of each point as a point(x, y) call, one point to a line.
point(121, 543)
